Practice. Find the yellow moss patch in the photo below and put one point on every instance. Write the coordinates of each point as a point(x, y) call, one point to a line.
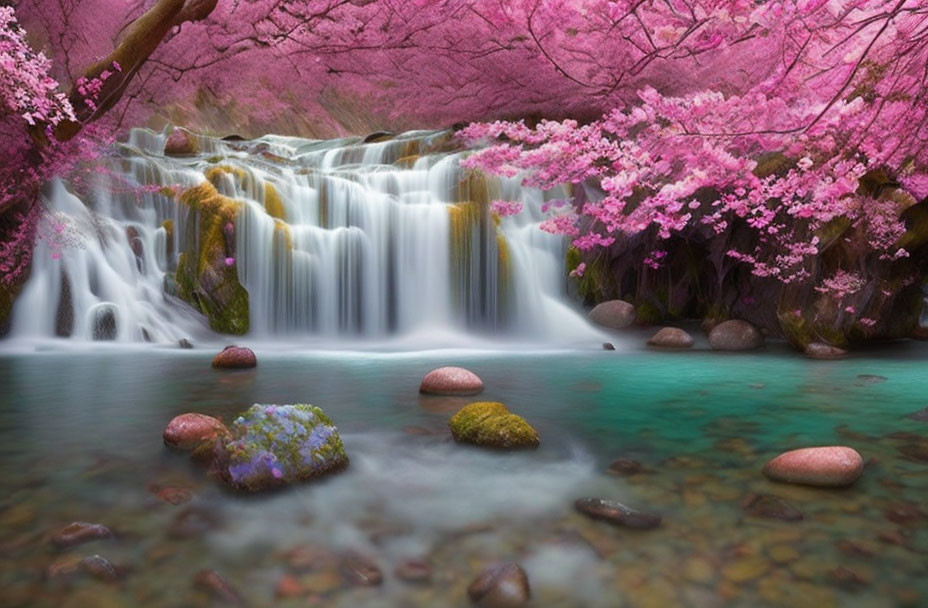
point(282, 232)
point(203, 276)
point(407, 162)
point(215, 174)
point(273, 204)
point(490, 424)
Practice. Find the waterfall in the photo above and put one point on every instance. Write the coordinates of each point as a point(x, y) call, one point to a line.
point(285, 239)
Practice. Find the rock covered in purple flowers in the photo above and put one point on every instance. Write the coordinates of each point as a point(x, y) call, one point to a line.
point(276, 445)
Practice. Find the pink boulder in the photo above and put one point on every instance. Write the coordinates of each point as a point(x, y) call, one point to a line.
point(235, 357)
point(451, 381)
point(188, 431)
point(831, 466)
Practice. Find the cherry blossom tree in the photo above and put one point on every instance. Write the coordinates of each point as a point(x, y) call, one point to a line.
point(820, 151)
point(791, 131)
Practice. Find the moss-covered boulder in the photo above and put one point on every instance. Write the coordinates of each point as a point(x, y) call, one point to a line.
point(490, 424)
point(207, 275)
point(277, 445)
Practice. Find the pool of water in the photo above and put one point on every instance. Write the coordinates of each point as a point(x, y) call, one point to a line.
point(80, 440)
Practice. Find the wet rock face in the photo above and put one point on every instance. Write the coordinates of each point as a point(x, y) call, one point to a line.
point(235, 357)
point(500, 586)
point(671, 337)
point(451, 381)
point(490, 424)
point(104, 324)
point(830, 466)
point(207, 274)
point(180, 143)
point(188, 431)
point(272, 446)
point(735, 335)
point(617, 514)
point(79, 532)
point(614, 314)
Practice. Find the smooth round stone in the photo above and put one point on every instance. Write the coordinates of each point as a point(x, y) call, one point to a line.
point(79, 532)
point(501, 586)
point(101, 569)
point(614, 314)
point(830, 466)
point(187, 431)
point(235, 357)
point(671, 337)
point(617, 514)
point(735, 335)
point(820, 350)
point(451, 381)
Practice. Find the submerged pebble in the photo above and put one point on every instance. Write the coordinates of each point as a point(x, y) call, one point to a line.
point(500, 586)
point(617, 514)
point(80, 532)
point(768, 506)
point(216, 586)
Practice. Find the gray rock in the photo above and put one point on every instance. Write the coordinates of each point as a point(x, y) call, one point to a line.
point(671, 337)
point(735, 335)
point(614, 314)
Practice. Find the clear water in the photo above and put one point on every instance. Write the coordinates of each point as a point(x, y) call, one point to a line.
point(80, 439)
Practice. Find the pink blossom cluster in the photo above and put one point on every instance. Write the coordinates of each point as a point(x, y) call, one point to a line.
point(786, 157)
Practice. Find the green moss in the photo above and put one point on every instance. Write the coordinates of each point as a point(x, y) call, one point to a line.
point(647, 313)
point(598, 283)
point(490, 424)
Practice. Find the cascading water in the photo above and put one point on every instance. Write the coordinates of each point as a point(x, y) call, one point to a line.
point(288, 238)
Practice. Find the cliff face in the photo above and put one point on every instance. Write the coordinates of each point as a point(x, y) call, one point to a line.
point(880, 299)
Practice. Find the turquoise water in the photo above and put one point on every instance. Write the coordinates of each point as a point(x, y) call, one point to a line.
point(80, 439)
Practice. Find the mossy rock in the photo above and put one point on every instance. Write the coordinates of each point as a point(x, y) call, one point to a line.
point(598, 282)
point(272, 446)
point(490, 424)
point(205, 277)
point(273, 204)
